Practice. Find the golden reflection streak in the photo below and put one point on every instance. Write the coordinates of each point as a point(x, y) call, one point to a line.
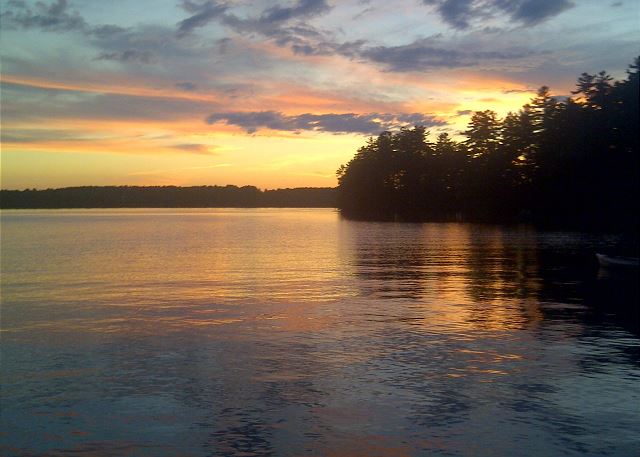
point(472, 293)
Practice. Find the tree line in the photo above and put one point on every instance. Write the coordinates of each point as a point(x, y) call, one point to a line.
point(557, 162)
point(168, 197)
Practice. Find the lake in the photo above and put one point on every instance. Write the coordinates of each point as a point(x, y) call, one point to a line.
point(259, 332)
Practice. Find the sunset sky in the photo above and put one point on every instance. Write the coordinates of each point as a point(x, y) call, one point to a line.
point(273, 93)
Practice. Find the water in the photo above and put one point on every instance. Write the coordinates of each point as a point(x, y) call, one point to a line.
point(294, 332)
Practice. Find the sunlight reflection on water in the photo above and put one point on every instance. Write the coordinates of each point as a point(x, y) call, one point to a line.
point(294, 332)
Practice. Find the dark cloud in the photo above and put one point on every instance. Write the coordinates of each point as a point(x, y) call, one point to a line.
point(267, 23)
point(252, 121)
point(414, 56)
point(188, 86)
point(130, 55)
point(456, 13)
point(306, 40)
point(324, 46)
point(532, 12)
point(367, 124)
point(460, 14)
point(55, 16)
point(107, 31)
point(303, 8)
point(518, 91)
point(202, 14)
point(423, 54)
point(464, 112)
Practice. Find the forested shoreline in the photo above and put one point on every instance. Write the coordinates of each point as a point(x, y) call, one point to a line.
point(168, 197)
point(570, 162)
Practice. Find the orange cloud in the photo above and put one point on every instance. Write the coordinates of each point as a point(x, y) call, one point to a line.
point(103, 88)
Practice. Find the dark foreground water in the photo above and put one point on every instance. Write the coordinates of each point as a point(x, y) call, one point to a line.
point(293, 333)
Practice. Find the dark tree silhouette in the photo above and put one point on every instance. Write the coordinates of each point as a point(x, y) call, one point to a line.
point(388, 174)
point(557, 162)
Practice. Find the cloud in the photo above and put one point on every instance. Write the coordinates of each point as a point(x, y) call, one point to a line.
point(303, 8)
point(269, 23)
point(27, 104)
point(52, 17)
point(456, 13)
point(425, 53)
point(367, 124)
point(414, 56)
point(464, 112)
point(107, 31)
point(363, 13)
point(144, 43)
point(518, 91)
point(202, 14)
point(133, 44)
point(38, 135)
point(304, 39)
point(422, 54)
point(461, 14)
point(130, 55)
point(532, 12)
point(187, 86)
point(194, 148)
point(279, 24)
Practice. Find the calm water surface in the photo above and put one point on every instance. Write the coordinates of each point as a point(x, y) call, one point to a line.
point(294, 332)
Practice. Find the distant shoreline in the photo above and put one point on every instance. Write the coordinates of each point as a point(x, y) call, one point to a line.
point(87, 197)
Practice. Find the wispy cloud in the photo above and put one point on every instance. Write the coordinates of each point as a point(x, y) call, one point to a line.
point(195, 148)
point(129, 55)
